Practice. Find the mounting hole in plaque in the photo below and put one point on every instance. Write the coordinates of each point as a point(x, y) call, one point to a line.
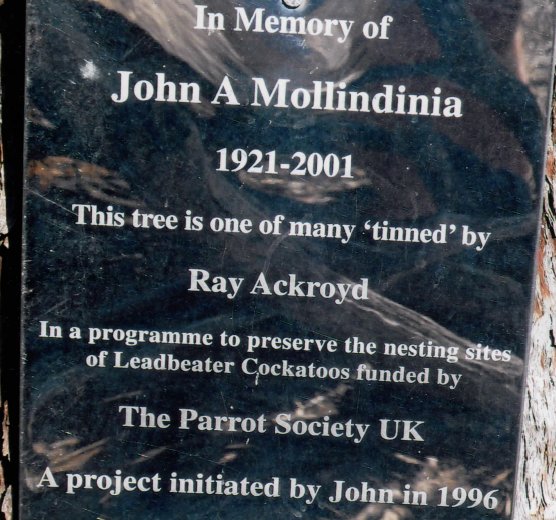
point(293, 4)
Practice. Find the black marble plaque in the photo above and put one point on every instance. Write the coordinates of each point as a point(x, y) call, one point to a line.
point(279, 256)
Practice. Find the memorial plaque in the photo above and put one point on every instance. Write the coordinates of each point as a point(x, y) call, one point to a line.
point(279, 256)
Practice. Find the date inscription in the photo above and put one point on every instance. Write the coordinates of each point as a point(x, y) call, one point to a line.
point(301, 164)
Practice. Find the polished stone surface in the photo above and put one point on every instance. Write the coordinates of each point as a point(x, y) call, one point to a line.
point(186, 214)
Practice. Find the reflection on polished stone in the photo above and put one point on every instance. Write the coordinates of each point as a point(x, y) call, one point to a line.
point(279, 261)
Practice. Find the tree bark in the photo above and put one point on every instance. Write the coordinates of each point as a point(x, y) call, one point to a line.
point(536, 491)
